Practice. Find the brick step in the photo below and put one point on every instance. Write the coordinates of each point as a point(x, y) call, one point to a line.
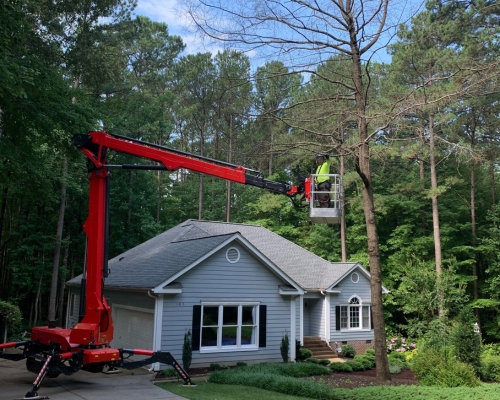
point(319, 348)
point(325, 356)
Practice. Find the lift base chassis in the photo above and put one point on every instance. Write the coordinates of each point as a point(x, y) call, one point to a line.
point(51, 359)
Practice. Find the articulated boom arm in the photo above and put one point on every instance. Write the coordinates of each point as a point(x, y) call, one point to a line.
point(95, 327)
point(95, 144)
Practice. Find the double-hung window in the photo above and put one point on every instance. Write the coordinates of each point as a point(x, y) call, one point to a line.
point(229, 326)
point(354, 315)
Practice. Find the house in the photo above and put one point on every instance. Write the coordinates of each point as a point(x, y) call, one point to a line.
point(238, 288)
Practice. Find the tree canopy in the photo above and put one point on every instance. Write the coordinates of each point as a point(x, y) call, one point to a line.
point(415, 140)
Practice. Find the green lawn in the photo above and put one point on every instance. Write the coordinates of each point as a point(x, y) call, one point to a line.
point(212, 391)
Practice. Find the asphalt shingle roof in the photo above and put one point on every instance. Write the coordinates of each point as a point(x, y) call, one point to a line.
point(156, 260)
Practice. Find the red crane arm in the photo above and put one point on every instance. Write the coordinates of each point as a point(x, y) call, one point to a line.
point(95, 326)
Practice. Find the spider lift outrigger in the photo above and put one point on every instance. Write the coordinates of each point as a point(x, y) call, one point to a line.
point(52, 350)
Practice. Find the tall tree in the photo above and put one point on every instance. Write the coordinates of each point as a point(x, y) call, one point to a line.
point(232, 100)
point(196, 94)
point(317, 28)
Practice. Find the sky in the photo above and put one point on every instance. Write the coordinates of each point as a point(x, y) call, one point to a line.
point(168, 11)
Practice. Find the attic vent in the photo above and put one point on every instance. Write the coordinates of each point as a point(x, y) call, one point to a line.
point(232, 255)
point(354, 277)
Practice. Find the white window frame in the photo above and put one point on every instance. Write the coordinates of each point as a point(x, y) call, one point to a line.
point(238, 347)
point(361, 307)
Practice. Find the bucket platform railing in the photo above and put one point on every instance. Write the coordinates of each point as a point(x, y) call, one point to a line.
point(318, 213)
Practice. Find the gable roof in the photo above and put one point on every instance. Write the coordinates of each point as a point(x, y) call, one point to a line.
point(166, 255)
point(354, 267)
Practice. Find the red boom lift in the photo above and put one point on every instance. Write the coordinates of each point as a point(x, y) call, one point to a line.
point(53, 350)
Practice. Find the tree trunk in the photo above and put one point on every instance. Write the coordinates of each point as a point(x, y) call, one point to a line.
point(364, 171)
point(60, 308)
point(229, 160)
point(343, 235)
point(158, 190)
point(37, 299)
point(57, 251)
point(492, 186)
point(473, 218)
point(421, 166)
point(435, 217)
point(200, 193)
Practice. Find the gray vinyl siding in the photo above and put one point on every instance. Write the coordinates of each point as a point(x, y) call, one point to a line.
point(215, 279)
point(362, 290)
point(316, 317)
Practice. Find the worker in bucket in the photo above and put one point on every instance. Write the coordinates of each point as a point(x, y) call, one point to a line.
point(322, 181)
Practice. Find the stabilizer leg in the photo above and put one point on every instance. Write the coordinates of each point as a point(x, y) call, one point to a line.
point(163, 357)
point(33, 394)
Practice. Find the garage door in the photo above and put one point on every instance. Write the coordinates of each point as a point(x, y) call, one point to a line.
point(133, 327)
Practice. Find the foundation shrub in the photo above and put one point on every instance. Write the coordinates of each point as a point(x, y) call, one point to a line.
point(304, 354)
point(370, 352)
point(355, 365)
point(340, 367)
point(324, 362)
point(366, 361)
point(370, 355)
point(313, 360)
point(348, 351)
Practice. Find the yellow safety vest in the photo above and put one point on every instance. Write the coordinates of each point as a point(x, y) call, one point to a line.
point(323, 169)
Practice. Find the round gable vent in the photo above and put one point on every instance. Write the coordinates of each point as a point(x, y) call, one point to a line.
point(355, 277)
point(232, 255)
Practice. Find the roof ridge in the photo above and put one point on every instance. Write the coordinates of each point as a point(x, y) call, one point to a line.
point(227, 223)
point(206, 237)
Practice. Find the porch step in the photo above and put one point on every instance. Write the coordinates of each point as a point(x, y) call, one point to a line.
point(319, 347)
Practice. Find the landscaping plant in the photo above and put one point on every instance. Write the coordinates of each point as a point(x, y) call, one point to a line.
point(467, 343)
point(284, 348)
point(187, 350)
point(440, 367)
point(348, 351)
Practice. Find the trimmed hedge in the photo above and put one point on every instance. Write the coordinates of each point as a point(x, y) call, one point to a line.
point(340, 367)
point(10, 314)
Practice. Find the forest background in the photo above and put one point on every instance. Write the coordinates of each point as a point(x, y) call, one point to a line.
point(68, 67)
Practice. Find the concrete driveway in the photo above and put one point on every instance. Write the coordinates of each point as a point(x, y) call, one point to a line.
point(16, 381)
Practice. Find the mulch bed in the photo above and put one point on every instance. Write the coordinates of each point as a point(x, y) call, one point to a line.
point(357, 379)
point(348, 380)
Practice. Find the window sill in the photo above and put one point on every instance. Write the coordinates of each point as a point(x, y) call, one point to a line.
point(355, 330)
point(227, 349)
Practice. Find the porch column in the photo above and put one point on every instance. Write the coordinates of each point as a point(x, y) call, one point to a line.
point(327, 317)
point(301, 321)
point(292, 328)
point(158, 322)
